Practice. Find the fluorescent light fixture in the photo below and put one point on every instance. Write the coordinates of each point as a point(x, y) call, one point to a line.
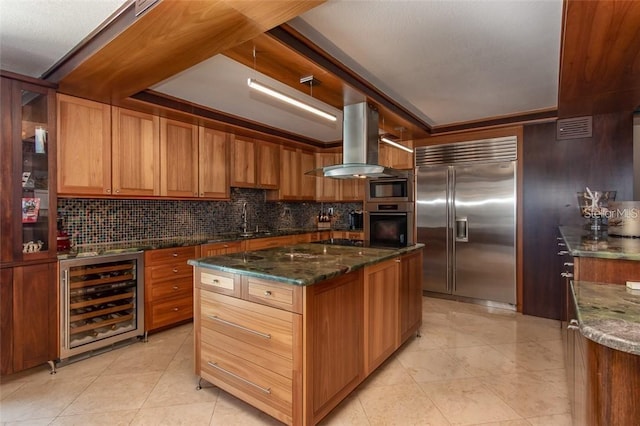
point(396, 144)
point(281, 96)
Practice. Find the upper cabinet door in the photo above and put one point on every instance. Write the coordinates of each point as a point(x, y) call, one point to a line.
point(135, 153)
point(84, 147)
point(308, 183)
point(243, 162)
point(178, 159)
point(214, 159)
point(396, 158)
point(268, 165)
point(327, 189)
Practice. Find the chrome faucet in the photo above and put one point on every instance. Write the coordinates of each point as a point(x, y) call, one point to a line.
point(244, 219)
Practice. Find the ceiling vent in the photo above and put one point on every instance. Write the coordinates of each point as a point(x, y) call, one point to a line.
point(574, 128)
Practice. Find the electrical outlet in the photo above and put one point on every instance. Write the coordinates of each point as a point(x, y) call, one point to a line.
point(330, 211)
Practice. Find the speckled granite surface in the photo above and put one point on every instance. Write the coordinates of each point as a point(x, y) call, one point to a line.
point(300, 264)
point(584, 243)
point(157, 243)
point(609, 314)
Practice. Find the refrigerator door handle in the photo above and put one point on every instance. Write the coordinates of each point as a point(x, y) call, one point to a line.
point(462, 229)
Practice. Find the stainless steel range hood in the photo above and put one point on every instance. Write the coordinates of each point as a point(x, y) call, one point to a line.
point(359, 147)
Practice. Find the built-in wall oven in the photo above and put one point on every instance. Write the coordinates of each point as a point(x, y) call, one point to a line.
point(389, 224)
point(101, 302)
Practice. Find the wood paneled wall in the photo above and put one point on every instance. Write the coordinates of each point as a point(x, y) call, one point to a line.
point(554, 171)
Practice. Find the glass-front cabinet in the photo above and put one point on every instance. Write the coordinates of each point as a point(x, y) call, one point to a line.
point(28, 149)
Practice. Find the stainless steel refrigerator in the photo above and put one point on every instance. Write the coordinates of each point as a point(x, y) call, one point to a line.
point(466, 217)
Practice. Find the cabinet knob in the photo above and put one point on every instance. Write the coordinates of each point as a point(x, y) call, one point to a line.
point(174, 254)
point(202, 194)
point(108, 191)
point(175, 287)
point(175, 270)
point(267, 293)
point(117, 191)
point(195, 194)
point(175, 309)
point(562, 252)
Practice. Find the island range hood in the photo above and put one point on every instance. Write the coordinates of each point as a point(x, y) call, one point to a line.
point(359, 147)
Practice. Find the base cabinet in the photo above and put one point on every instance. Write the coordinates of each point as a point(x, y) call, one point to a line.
point(168, 286)
point(28, 316)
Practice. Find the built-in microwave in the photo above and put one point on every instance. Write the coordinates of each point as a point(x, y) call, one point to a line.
point(389, 224)
point(391, 189)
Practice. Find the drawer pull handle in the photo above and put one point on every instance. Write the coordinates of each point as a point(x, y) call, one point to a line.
point(175, 270)
point(568, 263)
point(267, 293)
point(216, 281)
point(573, 325)
point(175, 287)
point(562, 252)
point(175, 254)
point(232, 324)
point(566, 275)
point(242, 379)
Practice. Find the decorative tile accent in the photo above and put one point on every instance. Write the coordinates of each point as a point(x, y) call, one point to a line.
point(91, 221)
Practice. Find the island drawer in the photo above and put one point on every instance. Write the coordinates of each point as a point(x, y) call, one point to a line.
point(266, 328)
point(278, 295)
point(218, 281)
point(258, 386)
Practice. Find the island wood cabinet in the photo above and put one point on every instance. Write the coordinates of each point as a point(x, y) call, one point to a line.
point(254, 163)
point(168, 286)
point(295, 352)
point(28, 290)
point(294, 184)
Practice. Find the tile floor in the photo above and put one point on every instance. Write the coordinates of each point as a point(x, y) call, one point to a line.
point(473, 365)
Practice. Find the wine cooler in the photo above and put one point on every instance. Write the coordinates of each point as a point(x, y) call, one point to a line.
point(101, 302)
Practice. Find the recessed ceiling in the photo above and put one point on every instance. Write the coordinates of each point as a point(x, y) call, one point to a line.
point(35, 34)
point(444, 61)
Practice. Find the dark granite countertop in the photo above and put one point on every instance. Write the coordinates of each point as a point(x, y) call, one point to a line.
point(584, 243)
point(609, 314)
point(300, 264)
point(85, 250)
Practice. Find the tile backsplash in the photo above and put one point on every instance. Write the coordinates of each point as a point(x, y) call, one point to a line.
point(90, 221)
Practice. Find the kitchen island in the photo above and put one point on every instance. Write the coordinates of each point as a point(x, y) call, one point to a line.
point(293, 330)
point(601, 326)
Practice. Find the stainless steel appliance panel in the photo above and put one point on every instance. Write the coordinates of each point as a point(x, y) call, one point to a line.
point(484, 227)
point(432, 226)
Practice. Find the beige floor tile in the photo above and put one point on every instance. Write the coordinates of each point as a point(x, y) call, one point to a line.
point(143, 357)
point(348, 413)
point(533, 356)
point(177, 386)
point(553, 420)
point(399, 405)
point(447, 338)
point(391, 372)
point(188, 415)
point(113, 418)
point(32, 422)
point(7, 388)
point(467, 402)
point(482, 360)
point(230, 411)
point(91, 366)
point(432, 365)
point(532, 394)
point(521, 422)
point(37, 400)
point(114, 393)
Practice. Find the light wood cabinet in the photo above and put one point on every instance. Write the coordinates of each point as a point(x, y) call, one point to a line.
point(410, 294)
point(178, 159)
point(84, 147)
point(327, 189)
point(213, 157)
point(255, 164)
point(216, 249)
point(352, 190)
point(381, 312)
point(396, 158)
point(135, 154)
point(308, 183)
point(294, 184)
point(268, 165)
point(348, 235)
point(263, 243)
point(168, 286)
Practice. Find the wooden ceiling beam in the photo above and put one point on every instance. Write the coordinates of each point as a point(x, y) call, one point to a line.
point(600, 57)
point(170, 37)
